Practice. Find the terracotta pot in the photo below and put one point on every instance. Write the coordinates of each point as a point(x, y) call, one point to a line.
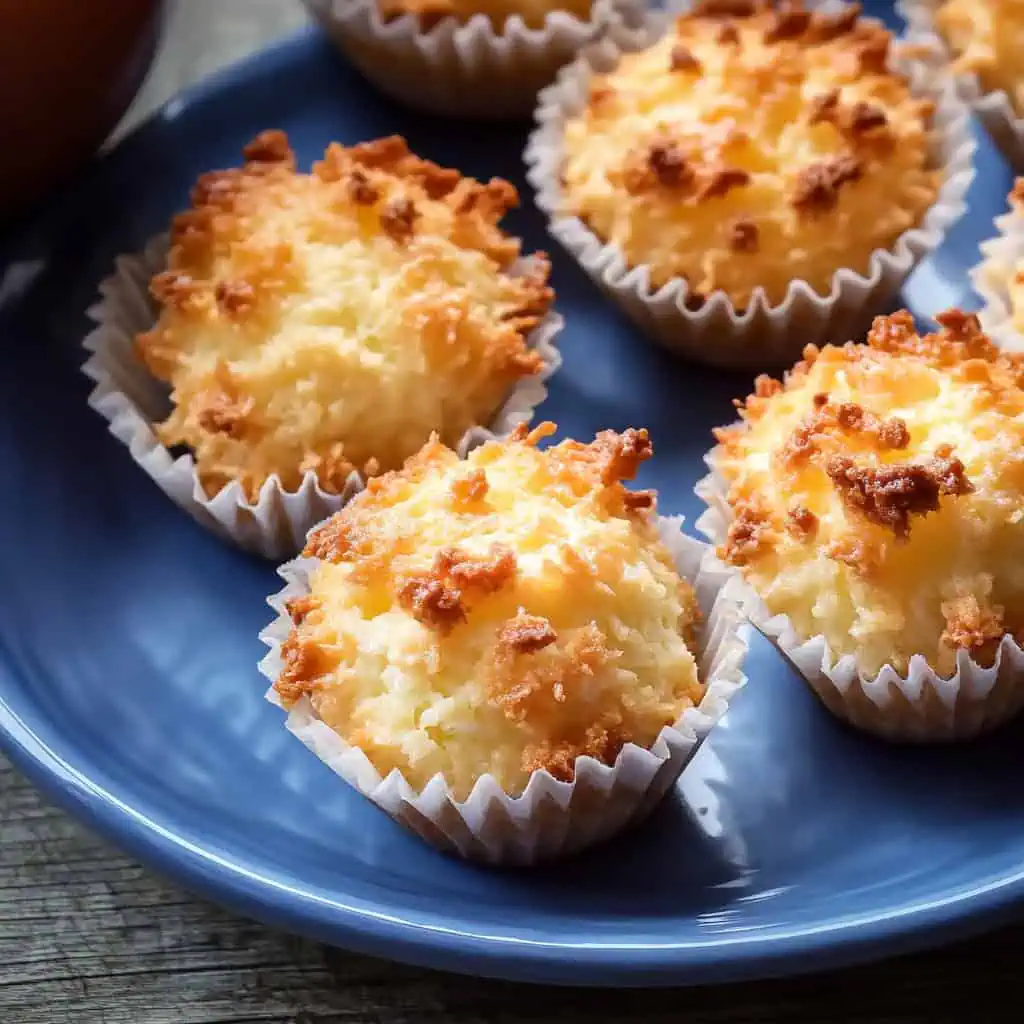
point(68, 70)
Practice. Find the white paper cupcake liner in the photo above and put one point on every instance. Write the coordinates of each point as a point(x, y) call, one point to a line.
point(551, 818)
point(762, 335)
point(994, 109)
point(132, 400)
point(464, 69)
point(919, 705)
point(1001, 256)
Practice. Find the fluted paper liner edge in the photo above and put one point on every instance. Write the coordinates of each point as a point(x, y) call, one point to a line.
point(551, 818)
point(1001, 255)
point(762, 336)
point(464, 69)
point(994, 109)
point(918, 705)
point(131, 400)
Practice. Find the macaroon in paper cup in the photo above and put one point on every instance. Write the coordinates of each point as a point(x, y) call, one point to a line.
point(464, 69)
point(1001, 255)
point(550, 818)
point(132, 400)
point(716, 332)
point(919, 705)
point(994, 109)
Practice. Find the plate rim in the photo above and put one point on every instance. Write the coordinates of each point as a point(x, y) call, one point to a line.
point(377, 929)
point(385, 934)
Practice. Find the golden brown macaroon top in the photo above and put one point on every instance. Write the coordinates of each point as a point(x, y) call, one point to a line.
point(504, 613)
point(750, 147)
point(533, 12)
point(878, 493)
point(987, 40)
point(332, 321)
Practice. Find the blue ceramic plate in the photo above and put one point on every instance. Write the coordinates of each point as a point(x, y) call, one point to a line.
point(128, 645)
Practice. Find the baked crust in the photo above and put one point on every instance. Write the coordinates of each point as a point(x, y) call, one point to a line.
point(878, 493)
point(505, 613)
point(331, 321)
point(750, 147)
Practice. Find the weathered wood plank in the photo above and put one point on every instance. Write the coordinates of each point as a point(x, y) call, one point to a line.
point(87, 935)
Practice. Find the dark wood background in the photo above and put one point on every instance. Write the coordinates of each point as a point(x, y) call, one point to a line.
point(88, 936)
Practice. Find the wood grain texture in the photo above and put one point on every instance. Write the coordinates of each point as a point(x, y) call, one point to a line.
point(87, 936)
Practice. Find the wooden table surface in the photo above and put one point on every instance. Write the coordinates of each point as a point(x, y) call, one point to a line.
point(88, 936)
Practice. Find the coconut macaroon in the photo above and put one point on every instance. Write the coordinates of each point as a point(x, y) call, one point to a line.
point(532, 12)
point(497, 615)
point(333, 321)
point(878, 495)
point(987, 39)
point(750, 147)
